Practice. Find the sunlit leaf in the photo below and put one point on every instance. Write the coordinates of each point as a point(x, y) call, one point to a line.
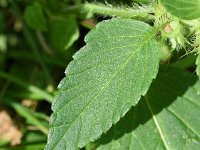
point(106, 78)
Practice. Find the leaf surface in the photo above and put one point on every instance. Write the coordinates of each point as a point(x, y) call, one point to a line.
point(184, 9)
point(104, 80)
point(167, 118)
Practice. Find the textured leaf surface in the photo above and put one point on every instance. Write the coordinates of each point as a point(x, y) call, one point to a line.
point(166, 118)
point(63, 32)
point(185, 9)
point(104, 80)
point(35, 18)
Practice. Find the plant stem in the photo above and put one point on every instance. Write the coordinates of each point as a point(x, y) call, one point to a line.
point(140, 13)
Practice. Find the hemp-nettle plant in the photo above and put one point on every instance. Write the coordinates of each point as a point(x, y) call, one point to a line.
point(121, 91)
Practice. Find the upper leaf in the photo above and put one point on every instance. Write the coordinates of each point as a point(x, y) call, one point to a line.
point(184, 9)
point(35, 18)
point(167, 118)
point(104, 80)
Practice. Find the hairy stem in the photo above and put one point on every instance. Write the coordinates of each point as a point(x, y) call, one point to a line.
point(137, 12)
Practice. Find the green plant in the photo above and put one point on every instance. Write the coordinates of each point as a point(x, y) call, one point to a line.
point(134, 85)
point(113, 72)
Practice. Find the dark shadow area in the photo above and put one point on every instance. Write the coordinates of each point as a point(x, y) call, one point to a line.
point(169, 84)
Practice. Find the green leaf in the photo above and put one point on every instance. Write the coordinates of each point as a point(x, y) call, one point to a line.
point(64, 32)
point(35, 18)
point(184, 9)
point(104, 80)
point(166, 118)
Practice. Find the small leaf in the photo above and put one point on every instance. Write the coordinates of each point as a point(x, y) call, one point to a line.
point(35, 18)
point(64, 32)
point(184, 9)
point(104, 80)
point(166, 118)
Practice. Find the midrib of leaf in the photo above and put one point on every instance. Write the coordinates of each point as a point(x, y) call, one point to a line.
point(156, 123)
point(152, 33)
